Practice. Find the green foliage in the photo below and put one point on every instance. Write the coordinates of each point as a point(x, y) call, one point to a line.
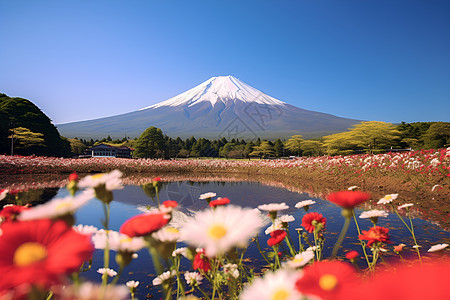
point(312, 148)
point(264, 150)
point(26, 139)
point(295, 144)
point(18, 112)
point(367, 136)
point(76, 146)
point(151, 144)
point(437, 136)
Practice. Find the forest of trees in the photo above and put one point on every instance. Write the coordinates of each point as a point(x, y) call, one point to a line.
point(366, 137)
point(25, 127)
point(30, 130)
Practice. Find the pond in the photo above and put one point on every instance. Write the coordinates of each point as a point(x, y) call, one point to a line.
point(246, 194)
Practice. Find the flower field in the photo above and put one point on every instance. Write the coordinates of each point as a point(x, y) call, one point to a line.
point(421, 177)
point(44, 256)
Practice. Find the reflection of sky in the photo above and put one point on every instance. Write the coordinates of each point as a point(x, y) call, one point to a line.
point(245, 194)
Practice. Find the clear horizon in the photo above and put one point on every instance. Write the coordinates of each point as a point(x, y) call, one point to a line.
point(370, 60)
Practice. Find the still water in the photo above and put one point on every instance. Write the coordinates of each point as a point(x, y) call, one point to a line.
point(245, 194)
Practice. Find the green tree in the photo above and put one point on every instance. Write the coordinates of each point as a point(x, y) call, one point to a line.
point(76, 146)
point(437, 136)
point(312, 148)
point(294, 144)
point(23, 113)
point(339, 142)
point(369, 136)
point(150, 144)
point(375, 135)
point(25, 139)
point(263, 150)
point(279, 148)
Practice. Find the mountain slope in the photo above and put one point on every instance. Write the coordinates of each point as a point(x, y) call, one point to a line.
point(220, 106)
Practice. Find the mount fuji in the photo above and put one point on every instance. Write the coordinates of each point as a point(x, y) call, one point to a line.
point(222, 106)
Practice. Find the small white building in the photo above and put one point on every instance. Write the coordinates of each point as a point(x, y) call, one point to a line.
point(104, 150)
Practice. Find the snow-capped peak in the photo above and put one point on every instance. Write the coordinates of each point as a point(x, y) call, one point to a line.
point(220, 88)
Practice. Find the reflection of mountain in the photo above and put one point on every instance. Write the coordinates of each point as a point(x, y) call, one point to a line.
point(222, 106)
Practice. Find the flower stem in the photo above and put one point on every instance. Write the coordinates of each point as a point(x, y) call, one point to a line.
point(363, 245)
point(341, 237)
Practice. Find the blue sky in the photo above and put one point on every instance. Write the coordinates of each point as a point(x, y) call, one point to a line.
point(378, 60)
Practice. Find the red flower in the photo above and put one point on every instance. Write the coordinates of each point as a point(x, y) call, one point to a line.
point(40, 252)
point(201, 262)
point(399, 248)
point(308, 219)
point(348, 199)
point(352, 255)
point(429, 281)
point(218, 202)
point(328, 280)
point(276, 237)
point(158, 179)
point(74, 177)
point(170, 203)
point(144, 224)
point(375, 234)
point(9, 213)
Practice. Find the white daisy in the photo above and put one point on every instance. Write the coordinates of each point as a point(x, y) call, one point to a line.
point(231, 269)
point(207, 195)
point(219, 230)
point(117, 241)
point(108, 271)
point(89, 290)
point(111, 181)
point(181, 251)
point(279, 285)
point(405, 206)
point(273, 207)
point(277, 225)
point(132, 284)
point(300, 260)
point(193, 278)
point(286, 219)
point(167, 234)
point(387, 199)
point(352, 188)
point(304, 203)
point(85, 229)
point(437, 247)
point(313, 248)
point(163, 277)
point(57, 207)
point(375, 213)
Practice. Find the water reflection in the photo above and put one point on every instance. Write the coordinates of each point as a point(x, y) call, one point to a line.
point(131, 199)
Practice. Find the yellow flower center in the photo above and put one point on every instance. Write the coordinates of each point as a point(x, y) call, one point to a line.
point(217, 231)
point(171, 230)
point(280, 294)
point(126, 240)
point(298, 259)
point(97, 176)
point(29, 253)
point(63, 205)
point(387, 197)
point(328, 282)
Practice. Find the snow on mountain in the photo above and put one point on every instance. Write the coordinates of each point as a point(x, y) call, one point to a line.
point(219, 89)
point(222, 106)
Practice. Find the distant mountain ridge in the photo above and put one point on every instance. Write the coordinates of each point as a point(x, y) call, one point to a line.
point(222, 106)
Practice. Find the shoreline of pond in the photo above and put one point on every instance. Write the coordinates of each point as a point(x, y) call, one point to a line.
point(431, 205)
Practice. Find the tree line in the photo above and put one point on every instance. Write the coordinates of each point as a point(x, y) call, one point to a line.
point(366, 137)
